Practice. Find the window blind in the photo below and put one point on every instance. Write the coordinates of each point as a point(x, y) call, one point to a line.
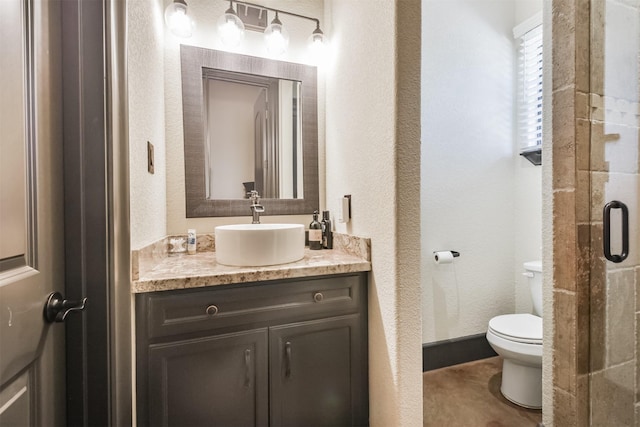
point(530, 88)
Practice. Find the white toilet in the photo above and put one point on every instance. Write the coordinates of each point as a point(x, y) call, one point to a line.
point(518, 339)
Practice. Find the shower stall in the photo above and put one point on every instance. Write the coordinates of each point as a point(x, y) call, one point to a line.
point(593, 374)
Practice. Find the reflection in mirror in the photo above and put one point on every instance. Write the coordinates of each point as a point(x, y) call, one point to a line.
point(249, 123)
point(253, 136)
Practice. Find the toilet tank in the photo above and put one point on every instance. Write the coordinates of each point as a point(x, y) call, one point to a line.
point(533, 271)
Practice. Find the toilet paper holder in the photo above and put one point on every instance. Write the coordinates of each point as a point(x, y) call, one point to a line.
point(445, 257)
point(455, 254)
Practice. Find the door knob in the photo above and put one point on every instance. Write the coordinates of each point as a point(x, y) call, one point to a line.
point(57, 308)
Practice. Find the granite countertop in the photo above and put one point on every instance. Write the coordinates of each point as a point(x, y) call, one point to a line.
point(192, 271)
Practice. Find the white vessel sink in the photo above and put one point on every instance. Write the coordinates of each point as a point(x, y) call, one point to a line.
point(253, 245)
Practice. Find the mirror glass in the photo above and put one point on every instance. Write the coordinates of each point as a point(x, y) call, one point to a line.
point(253, 136)
point(249, 123)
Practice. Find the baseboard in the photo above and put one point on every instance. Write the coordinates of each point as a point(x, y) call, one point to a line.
point(445, 353)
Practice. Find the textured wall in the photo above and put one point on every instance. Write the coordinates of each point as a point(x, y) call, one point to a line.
point(145, 77)
point(206, 13)
point(527, 231)
point(497, 212)
point(547, 226)
point(468, 172)
point(373, 154)
point(525, 9)
point(528, 198)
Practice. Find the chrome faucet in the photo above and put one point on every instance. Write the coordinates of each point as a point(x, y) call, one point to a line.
point(256, 207)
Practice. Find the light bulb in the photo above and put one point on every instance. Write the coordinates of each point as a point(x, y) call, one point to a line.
point(317, 43)
point(177, 20)
point(276, 37)
point(230, 28)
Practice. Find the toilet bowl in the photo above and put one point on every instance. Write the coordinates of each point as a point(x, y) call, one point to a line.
point(518, 339)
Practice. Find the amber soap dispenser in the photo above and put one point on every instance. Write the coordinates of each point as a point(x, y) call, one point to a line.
point(315, 233)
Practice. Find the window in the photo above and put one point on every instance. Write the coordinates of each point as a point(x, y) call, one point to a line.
point(529, 37)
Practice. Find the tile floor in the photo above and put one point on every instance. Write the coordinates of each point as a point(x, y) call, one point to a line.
point(468, 395)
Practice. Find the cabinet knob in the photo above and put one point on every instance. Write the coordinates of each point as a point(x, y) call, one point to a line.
point(212, 310)
point(318, 297)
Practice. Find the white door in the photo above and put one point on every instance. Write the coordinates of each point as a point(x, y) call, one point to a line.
point(32, 355)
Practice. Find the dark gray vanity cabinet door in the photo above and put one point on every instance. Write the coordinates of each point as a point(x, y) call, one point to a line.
point(318, 373)
point(213, 381)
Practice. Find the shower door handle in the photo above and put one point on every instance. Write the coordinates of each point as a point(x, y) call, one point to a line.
point(606, 241)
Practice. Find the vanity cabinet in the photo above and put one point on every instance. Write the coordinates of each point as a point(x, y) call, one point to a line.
point(222, 378)
point(312, 373)
point(280, 353)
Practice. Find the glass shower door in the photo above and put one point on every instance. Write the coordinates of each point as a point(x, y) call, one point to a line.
point(614, 380)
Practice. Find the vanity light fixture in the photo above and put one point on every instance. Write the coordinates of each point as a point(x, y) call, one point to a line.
point(276, 37)
point(177, 19)
point(254, 17)
point(230, 27)
point(316, 41)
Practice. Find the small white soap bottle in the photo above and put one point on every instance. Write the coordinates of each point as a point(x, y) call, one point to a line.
point(191, 241)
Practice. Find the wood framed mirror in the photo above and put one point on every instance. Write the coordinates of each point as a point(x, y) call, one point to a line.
point(250, 123)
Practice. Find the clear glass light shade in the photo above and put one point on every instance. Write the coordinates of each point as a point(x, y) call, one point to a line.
point(177, 20)
point(317, 44)
point(230, 29)
point(276, 38)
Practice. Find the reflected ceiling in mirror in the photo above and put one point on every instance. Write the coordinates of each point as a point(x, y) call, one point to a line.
point(249, 123)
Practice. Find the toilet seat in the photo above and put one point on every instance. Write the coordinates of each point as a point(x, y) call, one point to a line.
point(521, 328)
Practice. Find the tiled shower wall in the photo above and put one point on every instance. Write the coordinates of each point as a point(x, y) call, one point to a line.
point(615, 167)
point(595, 134)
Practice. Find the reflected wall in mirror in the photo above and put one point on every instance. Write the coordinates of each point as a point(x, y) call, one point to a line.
point(249, 123)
